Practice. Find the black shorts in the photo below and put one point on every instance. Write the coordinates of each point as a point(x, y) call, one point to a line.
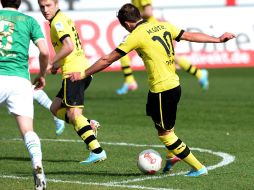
point(162, 107)
point(72, 93)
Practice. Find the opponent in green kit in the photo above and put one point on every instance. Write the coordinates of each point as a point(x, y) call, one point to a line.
point(16, 32)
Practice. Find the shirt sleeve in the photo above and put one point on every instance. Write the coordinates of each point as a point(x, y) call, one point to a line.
point(36, 32)
point(129, 43)
point(61, 29)
point(175, 31)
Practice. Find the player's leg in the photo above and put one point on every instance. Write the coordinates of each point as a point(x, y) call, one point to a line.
point(74, 101)
point(173, 144)
point(182, 151)
point(95, 126)
point(33, 145)
point(171, 160)
point(61, 112)
point(86, 133)
point(130, 83)
point(155, 103)
point(20, 104)
point(56, 105)
point(164, 108)
point(4, 90)
point(200, 74)
point(93, 123)
point(42, 98)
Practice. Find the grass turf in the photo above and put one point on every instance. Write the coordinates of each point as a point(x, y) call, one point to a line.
point(220, 119)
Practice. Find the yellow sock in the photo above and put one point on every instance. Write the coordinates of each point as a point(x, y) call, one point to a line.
point(185, 64)
point(61, 114)
point(181, 150)
point(84, 130)
point(127, 71)
point(169, 154)
point(193, 161)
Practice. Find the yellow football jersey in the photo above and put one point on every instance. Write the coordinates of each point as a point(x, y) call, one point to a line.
point(60, 27)
point(154, 44)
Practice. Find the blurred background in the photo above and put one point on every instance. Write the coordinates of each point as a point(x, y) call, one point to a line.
point(219, 120)
point(100, 31)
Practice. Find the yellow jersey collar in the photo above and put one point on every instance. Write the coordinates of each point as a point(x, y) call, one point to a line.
point(54, 16)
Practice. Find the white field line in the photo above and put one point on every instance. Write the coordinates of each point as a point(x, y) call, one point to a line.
point(226, 160)
point(88, 183)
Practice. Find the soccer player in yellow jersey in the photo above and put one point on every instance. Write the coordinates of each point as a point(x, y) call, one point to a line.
point(69, 102)
point(146, 10)
point(154, 44)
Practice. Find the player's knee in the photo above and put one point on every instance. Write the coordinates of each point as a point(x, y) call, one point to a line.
point(162, 127)
point(53, 110)
point(72, 114)
point(55, 106)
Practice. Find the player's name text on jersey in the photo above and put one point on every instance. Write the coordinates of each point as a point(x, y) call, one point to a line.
point(12, 18)
point(156, 29)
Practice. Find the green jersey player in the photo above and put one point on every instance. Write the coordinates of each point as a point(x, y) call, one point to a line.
point(16, 32)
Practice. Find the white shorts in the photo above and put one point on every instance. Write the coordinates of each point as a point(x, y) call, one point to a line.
point(17, 93)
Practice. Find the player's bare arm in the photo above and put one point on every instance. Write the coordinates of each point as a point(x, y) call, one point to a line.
point(99, 65)
point(67, 49)
point(148, 11)
point(103, 63)
point(201, 37)
point(39, 81)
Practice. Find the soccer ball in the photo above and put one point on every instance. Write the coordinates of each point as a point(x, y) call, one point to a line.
point(149, 161)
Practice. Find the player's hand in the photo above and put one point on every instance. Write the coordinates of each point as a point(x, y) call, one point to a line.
point(74, 76)
point(39, 82)
point(49, 67)
point(226, 36)
point(54, 69)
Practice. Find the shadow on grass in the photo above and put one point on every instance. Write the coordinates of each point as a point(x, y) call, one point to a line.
point(15, 158)
point(98, 173)
point(67, 173)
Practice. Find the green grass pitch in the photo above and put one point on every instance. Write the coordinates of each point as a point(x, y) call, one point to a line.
point(217, 124)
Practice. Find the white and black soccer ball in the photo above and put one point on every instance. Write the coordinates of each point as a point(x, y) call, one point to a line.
point(149, 161)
